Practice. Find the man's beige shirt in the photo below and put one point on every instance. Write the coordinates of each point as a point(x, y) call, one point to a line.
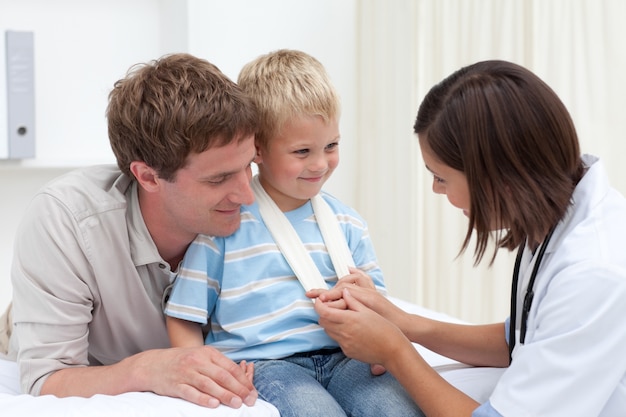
point(87, 278)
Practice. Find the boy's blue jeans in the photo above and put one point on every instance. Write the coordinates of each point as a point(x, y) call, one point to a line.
point(327, 384)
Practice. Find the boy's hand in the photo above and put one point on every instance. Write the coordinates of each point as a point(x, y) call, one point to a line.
point(333, 296)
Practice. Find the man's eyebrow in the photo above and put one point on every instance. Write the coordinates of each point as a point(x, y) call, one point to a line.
point(220, 175)
point(225, 174)
point(217, 176)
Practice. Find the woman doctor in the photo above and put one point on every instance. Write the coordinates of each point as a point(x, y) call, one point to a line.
point(502, 147)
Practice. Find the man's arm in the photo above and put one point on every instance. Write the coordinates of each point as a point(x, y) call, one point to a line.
point(72, 303)
point(201, 375)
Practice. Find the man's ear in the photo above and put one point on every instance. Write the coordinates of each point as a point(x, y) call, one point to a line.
point(146, 177)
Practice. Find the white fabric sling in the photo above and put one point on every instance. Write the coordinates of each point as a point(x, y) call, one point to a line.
point(291, 245)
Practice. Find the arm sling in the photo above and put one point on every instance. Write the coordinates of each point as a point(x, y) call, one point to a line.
point(291, 246)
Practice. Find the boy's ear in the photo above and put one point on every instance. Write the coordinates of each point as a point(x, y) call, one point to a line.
point(258, 158)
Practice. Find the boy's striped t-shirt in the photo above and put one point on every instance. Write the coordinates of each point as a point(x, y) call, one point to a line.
point(244, 288)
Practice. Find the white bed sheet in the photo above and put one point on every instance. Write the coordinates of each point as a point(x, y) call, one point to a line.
point(132, 404)
point(476, 382)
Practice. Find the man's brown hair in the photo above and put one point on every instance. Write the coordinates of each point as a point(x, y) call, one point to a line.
point(163, 111)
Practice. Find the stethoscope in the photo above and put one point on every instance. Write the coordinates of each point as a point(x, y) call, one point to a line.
point(528, 297)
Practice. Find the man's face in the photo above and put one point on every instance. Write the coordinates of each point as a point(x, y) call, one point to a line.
point(207, 193)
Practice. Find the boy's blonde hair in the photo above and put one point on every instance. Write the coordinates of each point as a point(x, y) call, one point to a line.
point(285, 84)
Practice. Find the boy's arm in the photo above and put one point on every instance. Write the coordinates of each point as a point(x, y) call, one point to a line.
point(184, 333)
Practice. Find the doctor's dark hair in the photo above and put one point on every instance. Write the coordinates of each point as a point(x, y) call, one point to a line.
point(169, 108)
point(514, 140)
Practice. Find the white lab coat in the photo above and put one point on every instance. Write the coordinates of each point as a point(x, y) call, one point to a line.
point(573, 362)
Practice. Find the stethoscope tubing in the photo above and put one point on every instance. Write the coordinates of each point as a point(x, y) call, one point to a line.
point(528, 297)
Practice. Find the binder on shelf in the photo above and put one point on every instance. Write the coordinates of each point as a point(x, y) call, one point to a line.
point(18, 142)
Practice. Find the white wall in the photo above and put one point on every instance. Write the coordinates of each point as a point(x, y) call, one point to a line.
point(382, 55)
point(83, 47)
point(231, 33)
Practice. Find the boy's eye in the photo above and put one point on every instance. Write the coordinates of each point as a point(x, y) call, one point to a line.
point(301, 151)
point(332, 146)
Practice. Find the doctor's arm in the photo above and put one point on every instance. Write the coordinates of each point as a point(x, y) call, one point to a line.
point(367, 336)
point(478, 345)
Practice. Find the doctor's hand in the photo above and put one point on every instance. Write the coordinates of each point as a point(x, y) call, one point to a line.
point(362, 333)
point(356, 277)
point(368, 296)
point(334, 296)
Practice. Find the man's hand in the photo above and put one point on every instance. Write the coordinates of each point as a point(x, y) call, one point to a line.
point(202, 375)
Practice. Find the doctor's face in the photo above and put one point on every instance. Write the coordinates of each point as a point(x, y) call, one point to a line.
point(447, 180)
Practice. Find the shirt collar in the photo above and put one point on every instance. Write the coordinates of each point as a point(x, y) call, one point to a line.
point(142, 247)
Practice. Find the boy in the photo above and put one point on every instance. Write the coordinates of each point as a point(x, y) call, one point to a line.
point(246, 283)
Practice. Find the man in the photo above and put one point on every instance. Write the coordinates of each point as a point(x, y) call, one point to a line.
point(98, 247)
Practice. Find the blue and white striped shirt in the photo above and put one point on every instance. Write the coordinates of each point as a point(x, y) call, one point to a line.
point(243, 286)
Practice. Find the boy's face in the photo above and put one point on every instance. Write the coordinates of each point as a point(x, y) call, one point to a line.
point(298, 161)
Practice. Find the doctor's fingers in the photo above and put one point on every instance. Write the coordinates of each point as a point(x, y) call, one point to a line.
point(359, 278)
point(352, 281)
point(328, 313)
point(353, 329)
point(369, 297)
